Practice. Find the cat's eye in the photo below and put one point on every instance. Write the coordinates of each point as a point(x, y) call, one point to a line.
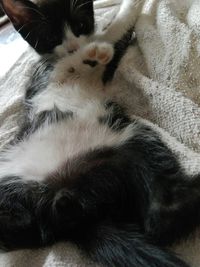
point(81, 27)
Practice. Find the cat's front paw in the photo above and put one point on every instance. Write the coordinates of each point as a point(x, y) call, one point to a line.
point(101, 53)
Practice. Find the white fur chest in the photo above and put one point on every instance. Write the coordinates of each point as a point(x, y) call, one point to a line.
point(82, 101)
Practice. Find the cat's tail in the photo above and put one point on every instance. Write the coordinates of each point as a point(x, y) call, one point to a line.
point(111, 246)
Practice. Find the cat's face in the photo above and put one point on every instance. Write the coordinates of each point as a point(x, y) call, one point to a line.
point(51, 23)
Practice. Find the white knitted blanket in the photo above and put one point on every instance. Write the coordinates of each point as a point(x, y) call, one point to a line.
point(165, 66)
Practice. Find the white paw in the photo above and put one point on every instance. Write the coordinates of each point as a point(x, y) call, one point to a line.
point(99, 52)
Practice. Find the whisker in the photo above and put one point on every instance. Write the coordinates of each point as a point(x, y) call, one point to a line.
point(22, 27)
point(71, 5)
point(74, 4)
point(37, 11)
point(36, 44)
point(41, 66)
point(27, 35)
point(80, 6)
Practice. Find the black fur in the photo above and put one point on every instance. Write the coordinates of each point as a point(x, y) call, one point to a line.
point(51, 116)
point(29, 126)
point(120, 49)
point(117, 118)
point(17, 219)
point(132, 248)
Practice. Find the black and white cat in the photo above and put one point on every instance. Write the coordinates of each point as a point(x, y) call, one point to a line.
point(81, 169)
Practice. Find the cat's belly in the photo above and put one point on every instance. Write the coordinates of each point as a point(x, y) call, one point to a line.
point(50, 147)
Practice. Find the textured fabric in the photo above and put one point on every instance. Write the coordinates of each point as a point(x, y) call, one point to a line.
point(164, 66)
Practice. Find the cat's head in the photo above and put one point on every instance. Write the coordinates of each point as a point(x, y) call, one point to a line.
point(51, 23)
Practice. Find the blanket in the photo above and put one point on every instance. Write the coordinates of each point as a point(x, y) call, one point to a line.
point(164, 65)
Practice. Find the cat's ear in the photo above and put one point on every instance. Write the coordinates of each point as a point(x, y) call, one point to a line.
point(31, 23)
point(21, 12)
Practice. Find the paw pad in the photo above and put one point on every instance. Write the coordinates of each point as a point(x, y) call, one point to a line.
point(102, 53)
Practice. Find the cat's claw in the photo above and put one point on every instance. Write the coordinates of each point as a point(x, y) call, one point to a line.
point(101, 53)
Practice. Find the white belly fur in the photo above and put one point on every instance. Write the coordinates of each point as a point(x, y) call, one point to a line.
point(47, 149)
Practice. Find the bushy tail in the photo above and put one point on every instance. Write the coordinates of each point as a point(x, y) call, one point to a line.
point(125, 247)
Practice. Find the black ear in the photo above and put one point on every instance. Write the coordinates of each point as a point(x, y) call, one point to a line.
point(32, 24)
point(20, 12)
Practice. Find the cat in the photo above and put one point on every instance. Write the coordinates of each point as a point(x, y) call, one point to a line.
point(81, 169)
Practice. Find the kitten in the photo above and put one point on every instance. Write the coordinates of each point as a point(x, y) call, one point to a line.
point(81, 169)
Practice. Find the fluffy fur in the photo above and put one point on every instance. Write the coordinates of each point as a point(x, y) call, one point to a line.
point(81, 169)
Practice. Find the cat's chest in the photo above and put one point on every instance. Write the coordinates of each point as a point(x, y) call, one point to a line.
point(82, 100)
